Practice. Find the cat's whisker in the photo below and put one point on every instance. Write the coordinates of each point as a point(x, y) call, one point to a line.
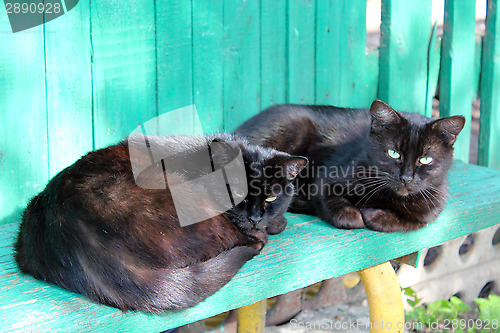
point(370, 181)
point(368, 184)
point(437, 194)
point(434, 200)
point(384, 173)
point(376, 191)
point(372, 177)
point(438, 191)
point(387, 175)
point(434, 188)
point(374, 180)
point(369, 192)
point(426, 198)
point(445, 196)
point(434, 197)
point(372, 192)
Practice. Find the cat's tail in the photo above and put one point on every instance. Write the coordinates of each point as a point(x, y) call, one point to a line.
point(158, 290)
point(186, 287)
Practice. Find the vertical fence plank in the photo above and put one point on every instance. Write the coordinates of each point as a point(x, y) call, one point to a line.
point(457, 64)
point(175, 62)
point(23, 139)
point(69, 87)
point(207, 63)
point(124, 67)
point(241, 61)
point(371, 76)
point(477, 65)
point(405, 33)
point(341, 54)
point(273, 52)
point(489, 128)
point(301, 51)
point(433, 68)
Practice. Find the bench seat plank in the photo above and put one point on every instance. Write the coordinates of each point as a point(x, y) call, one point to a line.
point(308, 251)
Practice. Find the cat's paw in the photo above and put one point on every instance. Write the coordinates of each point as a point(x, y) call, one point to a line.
point(257, 246)
point(258, 234)
point(348, 217)
point(277, 225)
point(372, 214)
point(379, 219)
point(387, 221)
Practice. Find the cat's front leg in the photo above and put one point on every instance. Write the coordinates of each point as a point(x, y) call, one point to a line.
point(387, 221)
point(277, 225)
point(340, 213)
point(256, 232)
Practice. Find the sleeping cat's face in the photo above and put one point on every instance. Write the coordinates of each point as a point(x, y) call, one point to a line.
point(270, 176)
point(411, 153)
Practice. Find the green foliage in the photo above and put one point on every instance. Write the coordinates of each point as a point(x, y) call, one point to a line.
point(437, 311)
point(412, 299)
point(459, 304)
point(452, 312)
point(489, 309)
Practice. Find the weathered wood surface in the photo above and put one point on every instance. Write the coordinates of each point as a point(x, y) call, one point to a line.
point(341, 44)
point(23, 140)
point(273, 52)
point(208, 63)
point(456, 80)
point(92, 75)
point(404, 43)
point(242, 66)
point(489, 128)
point(88, 78)
point(308, 251)
point(69, 88)
point(301, 52)
point(123, 67)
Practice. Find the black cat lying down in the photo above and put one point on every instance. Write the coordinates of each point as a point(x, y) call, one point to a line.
point(93, 230)
point(377, 168)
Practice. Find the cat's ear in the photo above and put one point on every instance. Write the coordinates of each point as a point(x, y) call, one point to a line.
point(292, 165)
point(383, 115)
point(222, 152)
point(448, 128)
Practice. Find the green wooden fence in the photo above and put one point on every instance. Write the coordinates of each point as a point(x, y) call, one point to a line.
point(88, 78)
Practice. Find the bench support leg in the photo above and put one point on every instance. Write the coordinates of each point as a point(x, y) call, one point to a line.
point(252, 318)
point(384, 298)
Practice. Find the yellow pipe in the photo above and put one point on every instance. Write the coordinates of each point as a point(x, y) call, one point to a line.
point(252, 318)
point(384, 298)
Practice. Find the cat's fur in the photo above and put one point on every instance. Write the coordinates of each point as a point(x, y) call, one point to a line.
point(359, 185)
point(94, 231)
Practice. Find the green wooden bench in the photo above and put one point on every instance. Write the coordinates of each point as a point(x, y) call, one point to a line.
point(86, 79)
point(308, 251)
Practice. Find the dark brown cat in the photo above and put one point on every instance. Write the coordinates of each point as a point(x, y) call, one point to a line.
point(378, 168)
point(93, 230)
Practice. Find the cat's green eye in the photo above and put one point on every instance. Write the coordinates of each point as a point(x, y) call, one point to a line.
point(425, 160)
point(393, 153)
point(271, 199)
